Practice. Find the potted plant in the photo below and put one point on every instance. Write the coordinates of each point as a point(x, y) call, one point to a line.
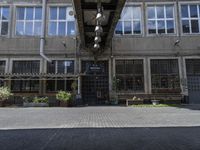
point(155, 101)
point(4, 95)
point(64, 98)
point(137, 100)
point(36, 102)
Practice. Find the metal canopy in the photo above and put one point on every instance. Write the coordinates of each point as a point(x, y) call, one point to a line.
point(86, 11)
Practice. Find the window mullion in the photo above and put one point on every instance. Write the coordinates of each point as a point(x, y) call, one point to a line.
point(33, 28)
point(189, 18)
point(198, 11)
point(0, 19)
point(24, 22)
point(165, 19)
point(156, 19)
point(57, 20)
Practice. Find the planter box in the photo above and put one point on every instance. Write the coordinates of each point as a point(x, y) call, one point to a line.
point(35, 104)
point(64, 104)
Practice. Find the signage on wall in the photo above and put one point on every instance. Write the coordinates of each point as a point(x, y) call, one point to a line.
point(95, 68)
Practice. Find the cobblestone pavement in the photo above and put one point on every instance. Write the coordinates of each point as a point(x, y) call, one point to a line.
point(100, 128)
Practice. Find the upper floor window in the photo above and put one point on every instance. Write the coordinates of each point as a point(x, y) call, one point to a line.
point(160, 19)
point(190, 17)
point(4, 20)
point(61, 21)
point(130, 22)
point(29, 21)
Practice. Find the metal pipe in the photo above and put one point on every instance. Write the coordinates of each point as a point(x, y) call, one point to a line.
point(42, 37)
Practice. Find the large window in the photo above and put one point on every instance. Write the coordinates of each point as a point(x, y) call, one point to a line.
point(61, 21)
point(190, 17)
point(2, 71)
point(161, 19)
point(25, 83)
point(60, 83)
point(4, 20)
point(165, 76)
point(23, 67)
point(130, 22)
point(130, 75)
point(28, 21)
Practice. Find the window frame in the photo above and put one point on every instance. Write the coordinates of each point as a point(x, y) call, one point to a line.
point(175, 19)
point(189, 18)
point(9, 20)
point(164, 58)
point(131, 4)
point(25, 21)
point(144, 72)
point(66, 21)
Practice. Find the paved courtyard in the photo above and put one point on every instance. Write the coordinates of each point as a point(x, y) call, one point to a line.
point(100, 128)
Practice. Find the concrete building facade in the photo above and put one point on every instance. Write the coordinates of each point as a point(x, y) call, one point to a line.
point(155, 51)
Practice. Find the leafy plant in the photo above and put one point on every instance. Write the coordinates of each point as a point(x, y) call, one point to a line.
point(5, 93)
point(27, 99)
point(64, 96)
point(40, 100)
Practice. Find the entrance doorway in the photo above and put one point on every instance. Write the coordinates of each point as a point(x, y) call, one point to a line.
point(193, 77)
point(95, 83)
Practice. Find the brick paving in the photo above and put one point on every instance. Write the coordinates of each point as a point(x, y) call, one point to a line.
point(100, 128)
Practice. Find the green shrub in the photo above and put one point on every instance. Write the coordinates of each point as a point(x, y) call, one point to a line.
point(64, 96)
point(5, 93)
point(40, 100)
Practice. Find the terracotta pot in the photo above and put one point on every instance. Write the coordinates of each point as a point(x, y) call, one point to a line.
point(64, 104)
point(2, 103)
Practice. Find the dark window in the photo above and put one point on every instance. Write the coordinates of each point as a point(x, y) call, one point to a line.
point(2, 66)
point(130, 75)
point(193, 66)
point(165, 75)
point(60, 67)
point(25, 85)
point(26, 67)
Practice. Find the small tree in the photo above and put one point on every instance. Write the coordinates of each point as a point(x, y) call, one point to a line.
point(5, 93)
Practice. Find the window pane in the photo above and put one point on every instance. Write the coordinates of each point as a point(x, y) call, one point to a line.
point(50, 85)
point(61, 67)
point(60, 85)
point(38, 13)
point(127, 27)
point(170, 26)
point(20, 13)
point(70, 66)
point(62, 28)
point(160, 11)
point(62, 13)
point(52, 28)
point(127, 13)
point(136, 12)
point(169, 12)
point(53, 13)
point(29, 13)
point(185, 26)
point(161, 26)
point(20, 28)
point(71, 28)
point(37, 28)
point(136, 27)
point(51, 67)
point(118, 29)
point(29, 28)
point(0, 13)
point(2, 66)
point(151, 12)
point(184, 11)
point(4, 28)
point(5, 13)
point(195, 26)
point(152, 27)
point(193, 11)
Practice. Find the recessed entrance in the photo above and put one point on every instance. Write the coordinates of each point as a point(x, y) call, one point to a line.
point(95, 84)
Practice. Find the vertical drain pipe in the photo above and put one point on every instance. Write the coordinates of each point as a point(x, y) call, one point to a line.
point(42, 37)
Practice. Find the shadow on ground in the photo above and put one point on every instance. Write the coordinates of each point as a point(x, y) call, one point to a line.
point(178, 138)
